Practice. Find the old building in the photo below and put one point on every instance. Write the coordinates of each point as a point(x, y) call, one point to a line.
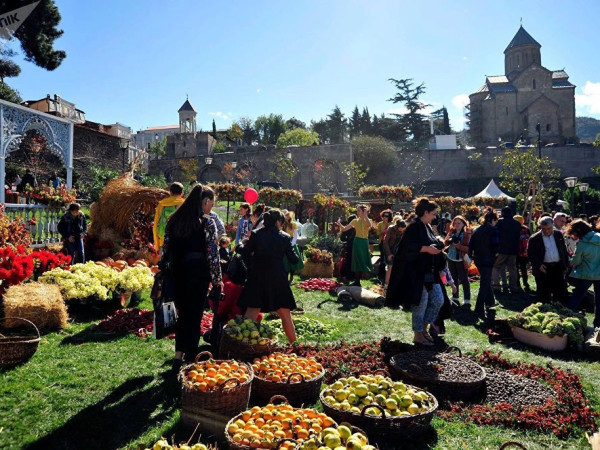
point(508, 107)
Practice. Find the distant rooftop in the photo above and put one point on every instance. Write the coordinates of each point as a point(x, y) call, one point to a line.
point(494, 79)
point(559, 75)
point(522, 38)
point(187, 106)
point(164, 127)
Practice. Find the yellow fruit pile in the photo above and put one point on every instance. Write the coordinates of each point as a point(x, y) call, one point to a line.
point(265, 427)
point(394, 397)
point(337, 438)
point(278, 367)
point(209, 375)
point(162, 444)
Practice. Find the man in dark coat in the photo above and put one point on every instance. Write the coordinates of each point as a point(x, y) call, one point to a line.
point(549, 259)
point(509, 234)
point(73, 228)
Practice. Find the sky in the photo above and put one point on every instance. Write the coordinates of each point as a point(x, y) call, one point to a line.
point(134, 62)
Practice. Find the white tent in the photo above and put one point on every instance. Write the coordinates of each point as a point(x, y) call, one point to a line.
point(492, 190)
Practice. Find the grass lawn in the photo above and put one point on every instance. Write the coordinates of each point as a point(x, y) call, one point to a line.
point(87, 389)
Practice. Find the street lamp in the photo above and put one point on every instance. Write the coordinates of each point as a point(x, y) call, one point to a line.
point(233, 167)
point(571, 182)
point(208, 160)
point(583, 187)
point(289, 154)
point(124, 144)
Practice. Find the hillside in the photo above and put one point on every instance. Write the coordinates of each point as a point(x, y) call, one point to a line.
point(587, 128)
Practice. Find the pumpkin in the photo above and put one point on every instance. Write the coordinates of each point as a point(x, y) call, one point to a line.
point(101, 263)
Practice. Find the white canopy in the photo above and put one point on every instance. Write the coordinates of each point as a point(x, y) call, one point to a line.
point(492, 190)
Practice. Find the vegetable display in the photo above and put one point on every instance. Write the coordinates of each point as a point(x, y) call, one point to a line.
point(551, 320)
point(307, 329)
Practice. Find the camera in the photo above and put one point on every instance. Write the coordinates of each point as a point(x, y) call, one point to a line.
point(455, 240)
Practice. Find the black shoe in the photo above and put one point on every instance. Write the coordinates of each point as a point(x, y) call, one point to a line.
point(356, 283)
point(176, 367)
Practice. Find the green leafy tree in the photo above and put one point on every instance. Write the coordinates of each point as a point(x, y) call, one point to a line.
point(322, 129)
point(98, 178)
point(376, 156)
point(337, 126)
point(9, 94)
point(189, 169)
point(298, 136)
point(284, 167)
point(355, 176)
point(365, 121)
point(235, 133)
point(293, 123)
point(413, 121)
point(269, 128)
point(522, 167)
point(158, 149)
point(355, 123)
point(249, 133)
point(38, 32)
point(214, 129)
point(8, 69)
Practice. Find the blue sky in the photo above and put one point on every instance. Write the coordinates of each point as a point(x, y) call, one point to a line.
point(134, 61)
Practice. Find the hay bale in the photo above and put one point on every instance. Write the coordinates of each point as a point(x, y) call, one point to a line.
point(119, 201)
point(40, 303)
point(317, 270)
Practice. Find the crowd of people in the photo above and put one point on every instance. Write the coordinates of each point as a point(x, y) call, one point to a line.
point(423, 256)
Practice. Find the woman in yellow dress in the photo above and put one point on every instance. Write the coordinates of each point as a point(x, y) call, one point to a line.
point(361, 257)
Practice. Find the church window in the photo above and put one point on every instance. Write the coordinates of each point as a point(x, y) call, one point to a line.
point(148, 145)
point(185, 154)
point(548, 127)
point(518, 60)
point(533, 83)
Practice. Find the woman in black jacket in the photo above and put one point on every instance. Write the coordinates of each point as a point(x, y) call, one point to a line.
point(415, 281)
point(483, 247)
point(267, 288)
point(191, 241)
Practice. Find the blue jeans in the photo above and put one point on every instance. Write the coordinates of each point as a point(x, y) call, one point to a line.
point(581, 287)
point(428, 308)
point(76, 251)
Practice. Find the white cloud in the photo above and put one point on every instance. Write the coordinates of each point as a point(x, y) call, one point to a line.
point(460, 101)
point(258, 90)
point(589, 101)
point(221, 115)
point(464, 58)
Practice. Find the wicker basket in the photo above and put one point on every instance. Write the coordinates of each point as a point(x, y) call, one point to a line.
point(384, 428)
point(317, 270)
point(235, 446)
point(443, 389)
point(296, 392)
point(514, 444)
point(213, 409)
point(15, 350)
point(233, 349)
point(540, 340)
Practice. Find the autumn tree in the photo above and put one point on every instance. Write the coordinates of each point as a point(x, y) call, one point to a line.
point(189, 169)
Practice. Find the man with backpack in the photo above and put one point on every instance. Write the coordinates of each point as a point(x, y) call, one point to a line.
point(164, 209)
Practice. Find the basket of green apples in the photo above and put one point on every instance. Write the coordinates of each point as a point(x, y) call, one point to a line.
point(246, 339)
point(379, 405)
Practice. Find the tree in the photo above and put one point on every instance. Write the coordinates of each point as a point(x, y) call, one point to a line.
point(9, 94)
point(441, 121)
point(284, 166)
point(294, 123)
point(235, 133)
point(419, 171)
point(355, 123)
point(158, 148)
point(299, 137)
point(8, 69)
point(214, 129)
point(521, 167)
point(34, 149)
point(189, 169)
point(322, 129)
point(413, 121)
point(269, 128)
point(365, 121)
point(355, 176)
point(337, 126)
point(249, 134)
point(38, 33)
point(376, 156)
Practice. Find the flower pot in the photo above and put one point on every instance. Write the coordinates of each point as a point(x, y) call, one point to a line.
point(540, 340)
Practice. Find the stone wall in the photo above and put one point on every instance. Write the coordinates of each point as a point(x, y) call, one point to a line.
point(93, 148)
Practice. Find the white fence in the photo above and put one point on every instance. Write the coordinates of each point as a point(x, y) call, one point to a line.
point(41, 221)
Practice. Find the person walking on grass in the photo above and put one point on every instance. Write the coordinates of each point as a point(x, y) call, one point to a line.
point(361, 257)
point(509, 234)
point(267, 288)
point(191, 241)
point(415, 281)
point(291, 228)
point(164, 209)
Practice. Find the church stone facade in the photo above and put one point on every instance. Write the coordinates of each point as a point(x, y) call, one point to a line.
point(508, 107)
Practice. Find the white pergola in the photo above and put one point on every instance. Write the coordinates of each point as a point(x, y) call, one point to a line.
point(16, 120)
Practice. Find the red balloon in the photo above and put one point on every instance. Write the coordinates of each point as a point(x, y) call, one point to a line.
point(251, 195)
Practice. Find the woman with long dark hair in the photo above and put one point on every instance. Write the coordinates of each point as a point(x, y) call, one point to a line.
point(267, 288)
point(415, 280)
point(191, 240)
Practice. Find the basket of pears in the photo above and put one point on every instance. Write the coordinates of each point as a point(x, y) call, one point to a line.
point(379, 405)
point(246, 339)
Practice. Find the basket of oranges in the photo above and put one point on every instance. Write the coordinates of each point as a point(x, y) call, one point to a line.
point(275, 426)
point(295, 377)
point(214, 390)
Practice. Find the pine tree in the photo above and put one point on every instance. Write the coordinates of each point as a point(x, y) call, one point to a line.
point(214, 127)
point(355, 123)
point(365, 120)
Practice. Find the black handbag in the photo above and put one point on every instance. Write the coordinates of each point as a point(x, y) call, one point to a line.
point(236, 270)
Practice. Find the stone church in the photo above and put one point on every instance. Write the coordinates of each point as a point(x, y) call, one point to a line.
point(509, 106)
